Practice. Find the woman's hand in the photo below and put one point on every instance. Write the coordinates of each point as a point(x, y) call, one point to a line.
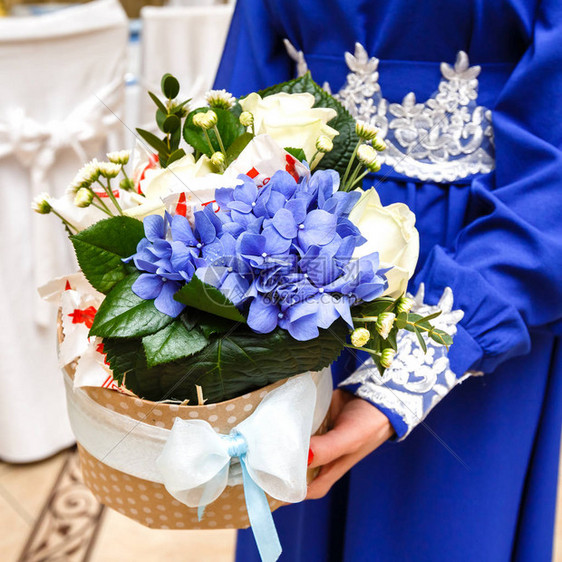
point(358, 429)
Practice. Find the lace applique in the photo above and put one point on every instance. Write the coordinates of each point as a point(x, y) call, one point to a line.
point(416, 381)
point(447, 137)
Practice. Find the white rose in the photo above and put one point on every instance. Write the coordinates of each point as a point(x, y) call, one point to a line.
point(290, 120)
point(160, 182)
point(391, 232)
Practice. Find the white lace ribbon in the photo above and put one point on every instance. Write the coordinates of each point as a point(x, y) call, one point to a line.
point(191, 455)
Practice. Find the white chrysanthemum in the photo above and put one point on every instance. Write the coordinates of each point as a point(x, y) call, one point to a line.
point(368, 156)
point(218, 159)
point(379, 144)
point(85, 176)
point(119, 157)
point(324, 144)
point(41, 204)
point(384, 323)
point(366, 131)
point(206, 120)
point(387, 356)
point(84, 197)
point(246, 119)
point(109, 170)
point(220, 99)
point(360, 336)
point(404, 304)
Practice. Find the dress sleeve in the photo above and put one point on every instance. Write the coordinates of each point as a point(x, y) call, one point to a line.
point(254, 56)
point(505, 266)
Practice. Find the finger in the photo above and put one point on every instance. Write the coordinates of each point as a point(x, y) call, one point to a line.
point(343, 439)
point(330, 474)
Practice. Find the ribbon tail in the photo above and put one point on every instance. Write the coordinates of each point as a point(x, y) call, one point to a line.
point(260, 517)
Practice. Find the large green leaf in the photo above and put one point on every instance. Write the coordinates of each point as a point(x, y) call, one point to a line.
point(101, 248)
point(171, 343)
point(124, 315)
point(208, 299)
point(231, 365)
point(229, 129)
point(344, 123)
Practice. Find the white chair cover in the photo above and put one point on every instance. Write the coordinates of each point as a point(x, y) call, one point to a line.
point(55, 70)
point(185, 41)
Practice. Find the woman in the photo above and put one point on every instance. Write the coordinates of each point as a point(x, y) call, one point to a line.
point(477, 482)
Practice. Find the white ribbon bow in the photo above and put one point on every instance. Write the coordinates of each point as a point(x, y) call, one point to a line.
point(196, 461)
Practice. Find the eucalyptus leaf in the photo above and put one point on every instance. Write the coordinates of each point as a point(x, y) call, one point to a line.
point(125, 315)
point(171, 124)
point(170, 86)
point(158, 144)
point(176, 155)
point(158, 103)
point(100, 250)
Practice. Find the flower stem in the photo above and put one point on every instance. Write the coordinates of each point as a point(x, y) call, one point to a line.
point(209, 141)
point(69, 225)
point(359, 179)
point(348, 169)
point(106, 208)
point(108, 190)
point(215, 128)
point(370, 351)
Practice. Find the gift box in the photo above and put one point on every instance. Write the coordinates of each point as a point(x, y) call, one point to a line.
point(144, 499)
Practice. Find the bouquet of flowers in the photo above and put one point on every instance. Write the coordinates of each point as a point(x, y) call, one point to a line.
point(221, 266)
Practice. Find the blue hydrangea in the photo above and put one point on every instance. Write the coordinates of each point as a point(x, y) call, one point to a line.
point(282, 253)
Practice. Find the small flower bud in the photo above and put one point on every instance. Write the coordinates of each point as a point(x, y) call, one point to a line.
point(360, 336)
point(324, 144)
point(404, 304)
point(246, 119)
point(387, 356)
point(220, 99)
point(127, 184)
point(205, 120)
point(384, 323)
point(379, 144)
point(366, 131)
point(119, 157)
point(367, 154)
point(41, 204)
point(109, 170)
point(84, 197)
point(217, 160)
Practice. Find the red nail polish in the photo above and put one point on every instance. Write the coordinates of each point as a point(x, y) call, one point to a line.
point(310, 457)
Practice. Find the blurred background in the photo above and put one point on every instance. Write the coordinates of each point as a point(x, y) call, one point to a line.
point(74, 80)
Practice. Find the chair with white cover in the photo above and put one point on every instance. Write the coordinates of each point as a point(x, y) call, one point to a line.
point(60, 73)
point(185, 41)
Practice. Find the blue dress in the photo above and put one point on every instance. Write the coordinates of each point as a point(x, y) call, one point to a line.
point(477, 480)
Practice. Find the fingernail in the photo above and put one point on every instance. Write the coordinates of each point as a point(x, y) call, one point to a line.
point(310, 457)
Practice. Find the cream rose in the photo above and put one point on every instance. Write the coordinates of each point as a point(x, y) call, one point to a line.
point(160, 182)
point(391, 232)
point(290, 120)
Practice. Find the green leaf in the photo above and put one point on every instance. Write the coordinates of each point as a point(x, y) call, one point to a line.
point(173, 342)
point(236, 148)
point(101, 248)
point(429, 317)
point(374, 308)
point(344, 123)
point(208, 299)
point(232, 364)
point(441, 337)
point(171, 124)
point(121, 355)
point(229, 129)
point(298, 153)
point(158, 144)
point(176, 155)
point(124, 315)
point(420, 339)
point(158, 103)
point(170, 86)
